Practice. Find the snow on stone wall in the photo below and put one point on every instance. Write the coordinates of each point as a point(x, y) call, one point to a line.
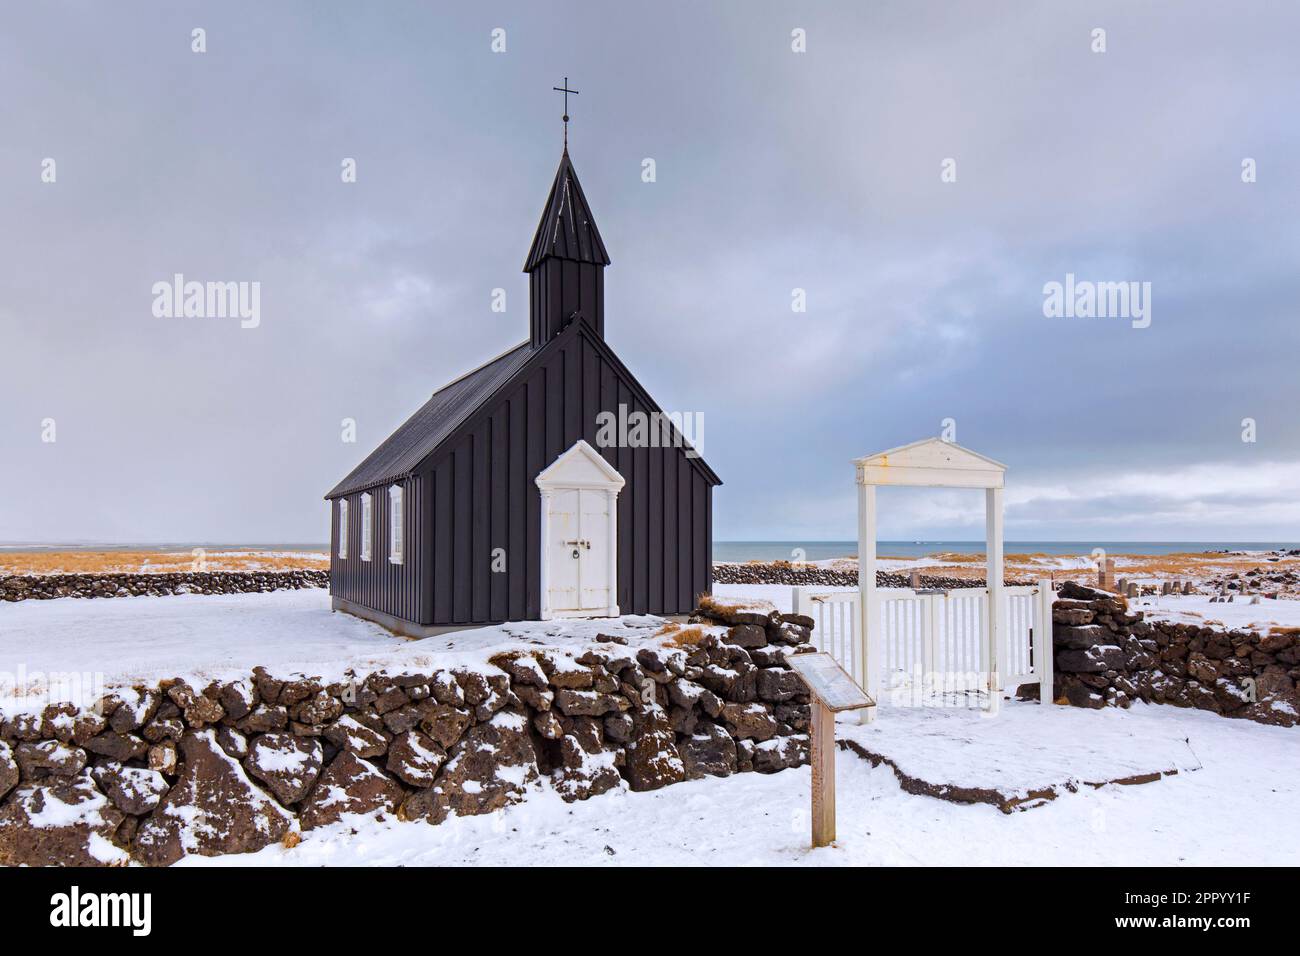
point(1107, 655)
point(155, 773)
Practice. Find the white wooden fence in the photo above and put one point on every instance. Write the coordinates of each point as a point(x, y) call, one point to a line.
point(932, 646)
point(838, 615)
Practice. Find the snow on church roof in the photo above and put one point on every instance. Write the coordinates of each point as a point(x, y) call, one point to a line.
point(568, 229)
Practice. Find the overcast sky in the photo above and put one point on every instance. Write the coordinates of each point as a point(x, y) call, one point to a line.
point(776, 170)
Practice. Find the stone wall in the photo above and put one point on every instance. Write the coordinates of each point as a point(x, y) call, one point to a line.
point(155, 773)
point(786, 572)
point(1107, 655)
point(25, 587)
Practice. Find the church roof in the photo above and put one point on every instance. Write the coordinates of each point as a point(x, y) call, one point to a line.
point(441, 416)
point(437, 418)
point(568, 229)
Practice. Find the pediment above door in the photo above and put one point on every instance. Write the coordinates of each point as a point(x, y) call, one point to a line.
point(580, 467)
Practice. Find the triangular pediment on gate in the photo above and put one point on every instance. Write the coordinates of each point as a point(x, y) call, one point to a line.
point(580, 467)
point(930, 462)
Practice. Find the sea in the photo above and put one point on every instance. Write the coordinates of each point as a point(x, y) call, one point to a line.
point(764, 550)
point(823, 550)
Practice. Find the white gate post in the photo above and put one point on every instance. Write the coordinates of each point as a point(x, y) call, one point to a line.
point(1043, 656)
point(993, 529)
point(868, 626)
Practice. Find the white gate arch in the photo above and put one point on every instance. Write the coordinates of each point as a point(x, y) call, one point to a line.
point(932, 463)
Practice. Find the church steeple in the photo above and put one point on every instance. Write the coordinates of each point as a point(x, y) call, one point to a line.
point(566, 265)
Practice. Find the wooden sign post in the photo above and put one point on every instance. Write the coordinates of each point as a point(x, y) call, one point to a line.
point(832, 690)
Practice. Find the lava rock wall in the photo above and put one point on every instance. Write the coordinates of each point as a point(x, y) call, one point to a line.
point(40, 587)
point(155, 773)
point(1107, 655)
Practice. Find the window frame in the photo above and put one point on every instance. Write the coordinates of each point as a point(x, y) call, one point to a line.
point(396, 524)
point(367, 526)
point(343, 529)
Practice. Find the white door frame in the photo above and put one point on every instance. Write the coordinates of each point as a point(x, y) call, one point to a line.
point(581, 468)
point(932, 463)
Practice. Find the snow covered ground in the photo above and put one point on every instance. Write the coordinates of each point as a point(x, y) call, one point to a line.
point(1193, 817)
point(781, 595)
point(146, 638)
point(1025, 749)
point(222, 637)
point(1239, 615)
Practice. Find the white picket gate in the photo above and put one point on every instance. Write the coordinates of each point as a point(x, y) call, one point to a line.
point(933, 645)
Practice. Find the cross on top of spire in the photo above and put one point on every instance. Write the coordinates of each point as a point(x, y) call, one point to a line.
point(566, 91)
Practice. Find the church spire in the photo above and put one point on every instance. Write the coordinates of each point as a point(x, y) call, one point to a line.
point(567, 260)
point(568, 229)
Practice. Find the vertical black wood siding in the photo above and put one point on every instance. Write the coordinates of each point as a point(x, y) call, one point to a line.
point(395, 589)
point(558, 288)
point(664, 523)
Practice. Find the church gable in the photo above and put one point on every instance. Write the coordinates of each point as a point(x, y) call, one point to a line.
point(570, 382)
point(485, 496)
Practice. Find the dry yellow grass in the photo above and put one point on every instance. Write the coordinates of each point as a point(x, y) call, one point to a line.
point(712, 606)
point(117, 562)
point(1031, 566)
point(505, 658)
point(952, 557)
point(685, 636)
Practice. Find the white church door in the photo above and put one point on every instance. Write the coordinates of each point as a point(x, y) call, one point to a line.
point(595, 585)
point(579, 572)
point(579, 551)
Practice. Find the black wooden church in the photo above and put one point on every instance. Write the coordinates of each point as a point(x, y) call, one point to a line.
point(496, 501)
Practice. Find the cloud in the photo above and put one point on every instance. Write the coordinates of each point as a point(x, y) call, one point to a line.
point(776, 171)
point(1205, 500)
